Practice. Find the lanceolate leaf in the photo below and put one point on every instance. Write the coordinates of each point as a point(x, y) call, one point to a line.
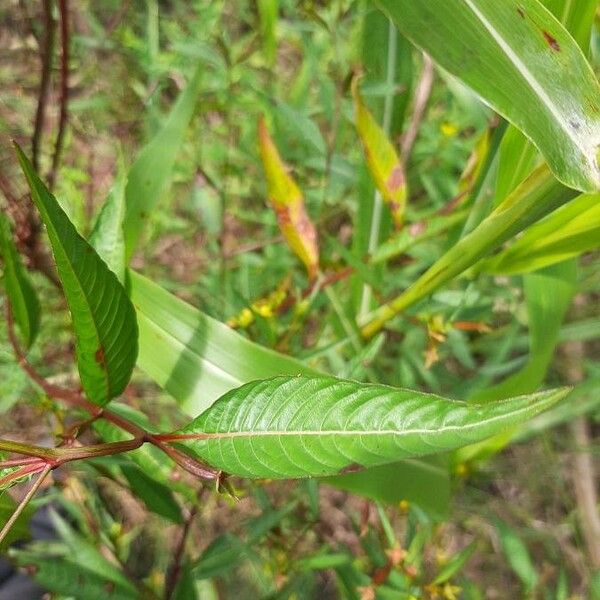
point(107, 236)
point(521, 60)
point(103, 316)
point(21, 294)
point(381, 158)
point(317, 426)
point(197, 359)
point(286, 199)
point(150, 175)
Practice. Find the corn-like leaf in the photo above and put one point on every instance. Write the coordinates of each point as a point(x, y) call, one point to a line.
point(288, 203)
point(566, 233)
point(317, 426)
point(192, 356)
point(21, 294)
point(382, 160)
point(103, 316)
point(522, 62)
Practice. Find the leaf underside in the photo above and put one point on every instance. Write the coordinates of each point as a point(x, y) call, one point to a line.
point(317, 426)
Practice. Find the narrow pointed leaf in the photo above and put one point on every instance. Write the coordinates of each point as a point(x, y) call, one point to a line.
point(382, 160)
point(522, 62)
point(103, 316)
point(150, 175)
point(21, 294)
point(318, 426)
point(107, 236)
point(288, 203)
point(565, 233)
point(535, 198)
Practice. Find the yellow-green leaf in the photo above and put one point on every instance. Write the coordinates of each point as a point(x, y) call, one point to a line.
point(288, 203)
point(382, 160)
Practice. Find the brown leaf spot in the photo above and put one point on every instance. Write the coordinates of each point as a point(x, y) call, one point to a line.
point(352, 468)
point(551, 41)
point(99, 356)
point(521, 12)
point(396, 179)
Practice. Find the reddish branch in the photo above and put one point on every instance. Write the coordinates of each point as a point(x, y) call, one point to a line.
point(174, 572)
point(75, 398)
point(46, 51)
point(64, 90)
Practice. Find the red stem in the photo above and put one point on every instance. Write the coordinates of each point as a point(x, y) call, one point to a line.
point(76, 398)
point(46, 55)
point(64, 90)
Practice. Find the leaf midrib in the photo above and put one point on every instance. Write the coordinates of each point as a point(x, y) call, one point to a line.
point(103, 369)
point(527, 75)
point(371, 432)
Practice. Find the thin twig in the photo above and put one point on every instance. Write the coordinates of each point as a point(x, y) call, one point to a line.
point(422, 93)
point(140, 435)
point(584, 476)
point(174, 572)
point(64, 90)
point(46, 52)
point(30, 494)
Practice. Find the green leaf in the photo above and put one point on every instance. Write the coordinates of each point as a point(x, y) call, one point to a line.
point(20, 530)
point(65, 576)
point(518, 556)
point(565, 233)
point(548, 294)
point(103, 316)
point(317, 426)
point(535, 197)
point(193, 357)
point(221, 556)
point(107, 236)
point(268, 13)
point(75, 568)
point(150, 175)
point(23, 299)
point(455, 564)
point(522, 62)
point(423, 481)
point(158, 498)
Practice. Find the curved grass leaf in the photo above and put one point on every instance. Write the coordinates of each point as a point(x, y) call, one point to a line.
point(23, 299)
point(107, 236)
point(103, 316)
point(522, 62)
point(194, 357)
point(565, 233)
point(150, 174)
point(317, 426)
